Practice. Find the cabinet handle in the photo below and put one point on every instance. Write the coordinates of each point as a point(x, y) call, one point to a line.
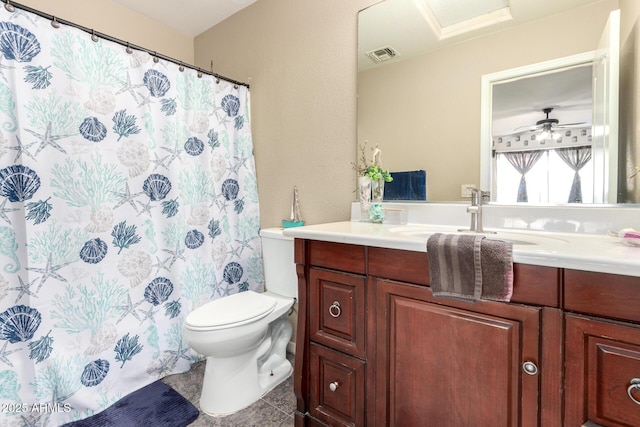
point(334, 310)
point(635, 385)
point(333, 386)
point(530, 368)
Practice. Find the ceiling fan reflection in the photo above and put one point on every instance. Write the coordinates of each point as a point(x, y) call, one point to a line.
point(548, 124)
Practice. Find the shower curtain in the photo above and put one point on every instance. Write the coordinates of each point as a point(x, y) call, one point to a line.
point(128, 197)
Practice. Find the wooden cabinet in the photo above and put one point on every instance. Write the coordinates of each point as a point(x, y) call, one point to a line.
point(457, 364)
point(375, 348)
point(602, 372)
point(337, 324)
point(331, 377)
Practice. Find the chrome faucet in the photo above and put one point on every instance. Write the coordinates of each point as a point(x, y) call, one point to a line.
point(475, 209)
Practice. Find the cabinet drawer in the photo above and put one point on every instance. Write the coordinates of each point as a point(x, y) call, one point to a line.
point(603, 361)
point(337, 310)
point(336, 387)
point(337, 256)
point(601, 294)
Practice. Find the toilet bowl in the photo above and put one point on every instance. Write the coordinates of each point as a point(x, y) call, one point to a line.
point(244, 336)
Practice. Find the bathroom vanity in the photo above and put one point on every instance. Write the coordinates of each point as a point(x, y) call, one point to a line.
point(375, 348)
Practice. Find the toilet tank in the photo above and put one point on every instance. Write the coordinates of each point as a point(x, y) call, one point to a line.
point(277, 258)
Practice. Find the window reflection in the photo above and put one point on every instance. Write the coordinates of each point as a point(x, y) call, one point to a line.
point(548, 181)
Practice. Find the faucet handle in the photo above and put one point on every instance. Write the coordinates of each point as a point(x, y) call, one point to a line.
point(476, 196)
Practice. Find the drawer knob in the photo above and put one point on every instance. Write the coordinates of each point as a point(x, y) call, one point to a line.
point(530, 368)
point(635, 385)
point(334, 309)
point(333, 386)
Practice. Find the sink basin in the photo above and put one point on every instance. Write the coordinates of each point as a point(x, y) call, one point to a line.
point(516, 238)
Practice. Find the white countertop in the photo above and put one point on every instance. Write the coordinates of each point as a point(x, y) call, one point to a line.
point(589, 252)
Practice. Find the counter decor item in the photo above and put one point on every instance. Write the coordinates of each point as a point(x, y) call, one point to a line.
point(371, 179)
point(296, 217)
point(364, 196)
point(627, 236)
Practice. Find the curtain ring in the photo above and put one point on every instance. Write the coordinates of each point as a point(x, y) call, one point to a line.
point(93, 36)
point(155, 57)
point(199, 74)
point(235, 86)
point(217, 80)
point(181, 67)
point(9, 7)
point(128, 49)
point(54, 22)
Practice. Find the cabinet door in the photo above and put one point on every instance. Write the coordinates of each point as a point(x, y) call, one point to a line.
point(457, 364)
point(602, 373)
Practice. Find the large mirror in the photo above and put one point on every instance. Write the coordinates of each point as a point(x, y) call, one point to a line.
point(421, 103)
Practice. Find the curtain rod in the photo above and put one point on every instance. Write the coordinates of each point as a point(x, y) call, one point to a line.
point(10, 5)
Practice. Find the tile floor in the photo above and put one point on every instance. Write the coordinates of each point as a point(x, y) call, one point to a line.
point(275, 409)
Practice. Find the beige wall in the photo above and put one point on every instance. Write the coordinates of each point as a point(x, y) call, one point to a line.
point(114, 20)
point(629, 95)
point(435, 120)
point(300, 60)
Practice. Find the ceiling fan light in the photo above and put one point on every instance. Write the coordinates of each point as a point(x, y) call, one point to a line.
point(548, 134)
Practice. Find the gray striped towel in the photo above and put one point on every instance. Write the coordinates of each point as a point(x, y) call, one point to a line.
point(470, 267)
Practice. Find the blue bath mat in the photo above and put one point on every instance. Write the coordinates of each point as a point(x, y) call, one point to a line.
point(154, 405)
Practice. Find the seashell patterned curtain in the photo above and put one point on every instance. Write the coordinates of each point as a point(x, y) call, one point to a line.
point(128, 197)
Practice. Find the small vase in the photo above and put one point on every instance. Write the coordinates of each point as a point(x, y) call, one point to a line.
point(377, 190)
point(376, 211)
point(364, 197)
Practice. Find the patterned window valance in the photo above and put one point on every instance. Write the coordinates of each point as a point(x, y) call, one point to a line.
point(524, 141)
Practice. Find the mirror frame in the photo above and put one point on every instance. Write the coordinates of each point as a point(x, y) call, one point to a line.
point(486, 100)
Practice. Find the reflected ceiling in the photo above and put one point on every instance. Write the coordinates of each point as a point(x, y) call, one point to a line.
point(519, 103)
point(378, 26)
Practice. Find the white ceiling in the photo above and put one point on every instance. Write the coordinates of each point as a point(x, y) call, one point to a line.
point(190, 17)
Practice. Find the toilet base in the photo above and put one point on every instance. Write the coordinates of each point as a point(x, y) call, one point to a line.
point(233, 383)
point(270, 380)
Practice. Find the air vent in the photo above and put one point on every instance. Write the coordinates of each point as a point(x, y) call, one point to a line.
point(383, 54)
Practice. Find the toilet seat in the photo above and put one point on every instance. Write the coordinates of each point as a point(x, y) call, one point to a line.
point(230, 311)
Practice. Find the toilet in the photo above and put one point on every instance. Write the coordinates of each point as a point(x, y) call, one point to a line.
point(244, 336)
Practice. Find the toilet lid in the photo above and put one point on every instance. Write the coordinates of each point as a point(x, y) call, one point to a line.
point(232, 309)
